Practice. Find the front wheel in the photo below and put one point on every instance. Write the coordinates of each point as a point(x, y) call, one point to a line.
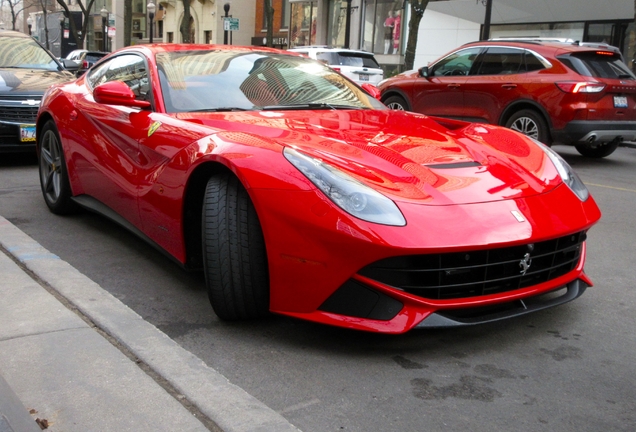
point(234, 257)
point(598, 151)
point(54, 180)
point(396, 103)
point(530, 123)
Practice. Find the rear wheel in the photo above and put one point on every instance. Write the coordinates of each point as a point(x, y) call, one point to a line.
point(234, 258)
point(396, 103)
point(54, 180)
point(598, 151)
point(530, 123)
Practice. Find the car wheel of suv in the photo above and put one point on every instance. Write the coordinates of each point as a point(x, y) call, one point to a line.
point(234, 258)
point(530, 123)
point(599, 151)
point(396, 103)
point(54, 181)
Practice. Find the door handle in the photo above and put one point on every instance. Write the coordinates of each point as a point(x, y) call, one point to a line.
point(509, 86)
point(453, 85)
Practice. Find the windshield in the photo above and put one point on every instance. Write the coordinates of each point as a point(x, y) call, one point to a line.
point(598, 64)
point(25, 53)
point(224, 80)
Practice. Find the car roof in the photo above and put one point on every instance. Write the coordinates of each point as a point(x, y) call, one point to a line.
point(326, 48)
point(549, 43)
point(12, 33)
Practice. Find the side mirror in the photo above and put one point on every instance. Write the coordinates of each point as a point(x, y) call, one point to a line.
point(117, 93)
point(372, 90)
point(423, 71)
point(70, 65)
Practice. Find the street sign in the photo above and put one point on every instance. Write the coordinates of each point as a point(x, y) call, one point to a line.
point(230, 24)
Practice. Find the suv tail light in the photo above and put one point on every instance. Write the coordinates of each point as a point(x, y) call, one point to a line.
point(337, 69)
point(85, 65)
point(580, 87)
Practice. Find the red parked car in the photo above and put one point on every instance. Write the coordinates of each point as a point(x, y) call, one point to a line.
point(556, 92)
point(298, 193)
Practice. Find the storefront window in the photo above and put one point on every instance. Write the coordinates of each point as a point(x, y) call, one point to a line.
point(383, 26)
point(572, 30)
point(285, 14)
point(303, 24)
point(337, 23)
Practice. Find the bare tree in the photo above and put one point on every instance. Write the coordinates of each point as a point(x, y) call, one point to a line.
point(79, 34)
point(16, 6)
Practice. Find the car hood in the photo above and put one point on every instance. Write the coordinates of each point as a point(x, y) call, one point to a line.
point(406, 156)
point(30, 81)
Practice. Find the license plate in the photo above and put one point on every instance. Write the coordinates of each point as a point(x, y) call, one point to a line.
point(620, 101)
point(364, 77)
point(27, 133)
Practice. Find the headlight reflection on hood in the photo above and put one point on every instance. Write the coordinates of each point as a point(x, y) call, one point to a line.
point(566, 172)
point(346, 192)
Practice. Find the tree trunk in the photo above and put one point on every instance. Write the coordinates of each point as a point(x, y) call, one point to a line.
point(128, 11)
point(184, 28)
point(269, 16)
point(417, 11)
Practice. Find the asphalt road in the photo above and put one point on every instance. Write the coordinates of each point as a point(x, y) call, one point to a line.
point(569, 368)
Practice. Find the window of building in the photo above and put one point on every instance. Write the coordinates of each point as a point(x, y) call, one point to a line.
point(383, 27)
point(303, 23)
point(285, 14)
point(170, 37)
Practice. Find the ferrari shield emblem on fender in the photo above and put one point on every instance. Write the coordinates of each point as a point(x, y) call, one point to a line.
point(153, 128)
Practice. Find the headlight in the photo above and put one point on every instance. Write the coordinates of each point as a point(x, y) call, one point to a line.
point(566, 172)
point(346, 192)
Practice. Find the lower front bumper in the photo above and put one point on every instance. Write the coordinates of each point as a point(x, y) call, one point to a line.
point(577, 132)
point(472, 316)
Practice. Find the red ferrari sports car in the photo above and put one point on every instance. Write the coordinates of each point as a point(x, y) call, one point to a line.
point(297, 192)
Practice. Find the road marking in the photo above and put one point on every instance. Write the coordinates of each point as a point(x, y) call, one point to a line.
point(300, 406)
point(611, 187)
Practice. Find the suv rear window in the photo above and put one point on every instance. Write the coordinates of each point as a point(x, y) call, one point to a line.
point(348, 59)
point(597, 65)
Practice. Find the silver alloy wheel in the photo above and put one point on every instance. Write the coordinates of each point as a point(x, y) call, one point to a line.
point(51, 166)
point(526, 126)
point(396, 106)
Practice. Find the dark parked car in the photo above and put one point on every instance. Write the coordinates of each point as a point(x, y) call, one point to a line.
point(85, 59)
point(570, 93)
point(26, 71)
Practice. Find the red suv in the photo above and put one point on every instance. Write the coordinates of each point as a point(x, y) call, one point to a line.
point(570, 93)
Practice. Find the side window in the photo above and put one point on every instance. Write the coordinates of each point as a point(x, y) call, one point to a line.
point(458, 63)
point(533, 63)
point(501, 61)
point(128, 68)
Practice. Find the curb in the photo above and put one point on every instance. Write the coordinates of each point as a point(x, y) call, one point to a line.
point(229, 406)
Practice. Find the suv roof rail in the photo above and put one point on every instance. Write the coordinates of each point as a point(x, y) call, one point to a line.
point(533, 39)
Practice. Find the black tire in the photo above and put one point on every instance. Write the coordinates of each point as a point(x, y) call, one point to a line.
point(396, 103)
point(54, 181)
point(530, 123)
point(598, 151)
point(234, 257)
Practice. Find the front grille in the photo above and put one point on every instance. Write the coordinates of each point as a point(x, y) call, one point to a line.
point(477, 273)
point(19, 114)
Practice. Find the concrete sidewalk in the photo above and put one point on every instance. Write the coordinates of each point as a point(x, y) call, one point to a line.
point(78, 359)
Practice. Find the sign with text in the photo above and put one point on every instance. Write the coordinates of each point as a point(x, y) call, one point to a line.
point(230, 24)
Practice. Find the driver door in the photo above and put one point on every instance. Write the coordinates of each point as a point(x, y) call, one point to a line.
point(110, 156)
point(441, 93)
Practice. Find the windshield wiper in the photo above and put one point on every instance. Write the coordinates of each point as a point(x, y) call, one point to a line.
point(219, 109)
point(308, 106)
